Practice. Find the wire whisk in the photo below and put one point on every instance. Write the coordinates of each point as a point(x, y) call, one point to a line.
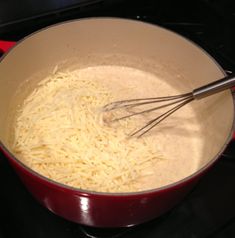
point(172, 103)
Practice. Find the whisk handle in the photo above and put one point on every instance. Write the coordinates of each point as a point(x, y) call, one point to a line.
point(214, 87)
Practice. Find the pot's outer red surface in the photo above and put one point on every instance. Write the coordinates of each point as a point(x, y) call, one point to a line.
point(102, 210)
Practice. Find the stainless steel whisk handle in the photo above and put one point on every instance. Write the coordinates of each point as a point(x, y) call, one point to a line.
point(214, 87)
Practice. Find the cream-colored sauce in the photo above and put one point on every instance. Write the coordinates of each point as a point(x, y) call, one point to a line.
point(177, 137)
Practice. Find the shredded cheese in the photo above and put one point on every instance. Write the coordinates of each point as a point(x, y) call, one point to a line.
point(58, 134)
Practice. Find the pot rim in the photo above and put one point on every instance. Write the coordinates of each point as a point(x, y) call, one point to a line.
point(85, 192)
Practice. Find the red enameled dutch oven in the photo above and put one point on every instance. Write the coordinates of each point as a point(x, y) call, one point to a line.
point(100, 41)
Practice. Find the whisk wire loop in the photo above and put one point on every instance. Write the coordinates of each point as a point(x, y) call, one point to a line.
point(176, 101)
point(151, 124)
point(151, 109)
point(140, 101)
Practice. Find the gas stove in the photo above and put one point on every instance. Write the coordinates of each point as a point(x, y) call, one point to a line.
point(209, 210)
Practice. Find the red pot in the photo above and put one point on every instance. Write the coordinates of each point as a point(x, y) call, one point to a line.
point(123, 42)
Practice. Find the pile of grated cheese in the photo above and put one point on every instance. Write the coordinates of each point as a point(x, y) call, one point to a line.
point(59, 135)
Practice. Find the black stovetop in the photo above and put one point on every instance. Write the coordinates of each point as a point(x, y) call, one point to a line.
point(209, 210)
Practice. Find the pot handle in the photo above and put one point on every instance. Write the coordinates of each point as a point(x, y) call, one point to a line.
point(6, 45)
